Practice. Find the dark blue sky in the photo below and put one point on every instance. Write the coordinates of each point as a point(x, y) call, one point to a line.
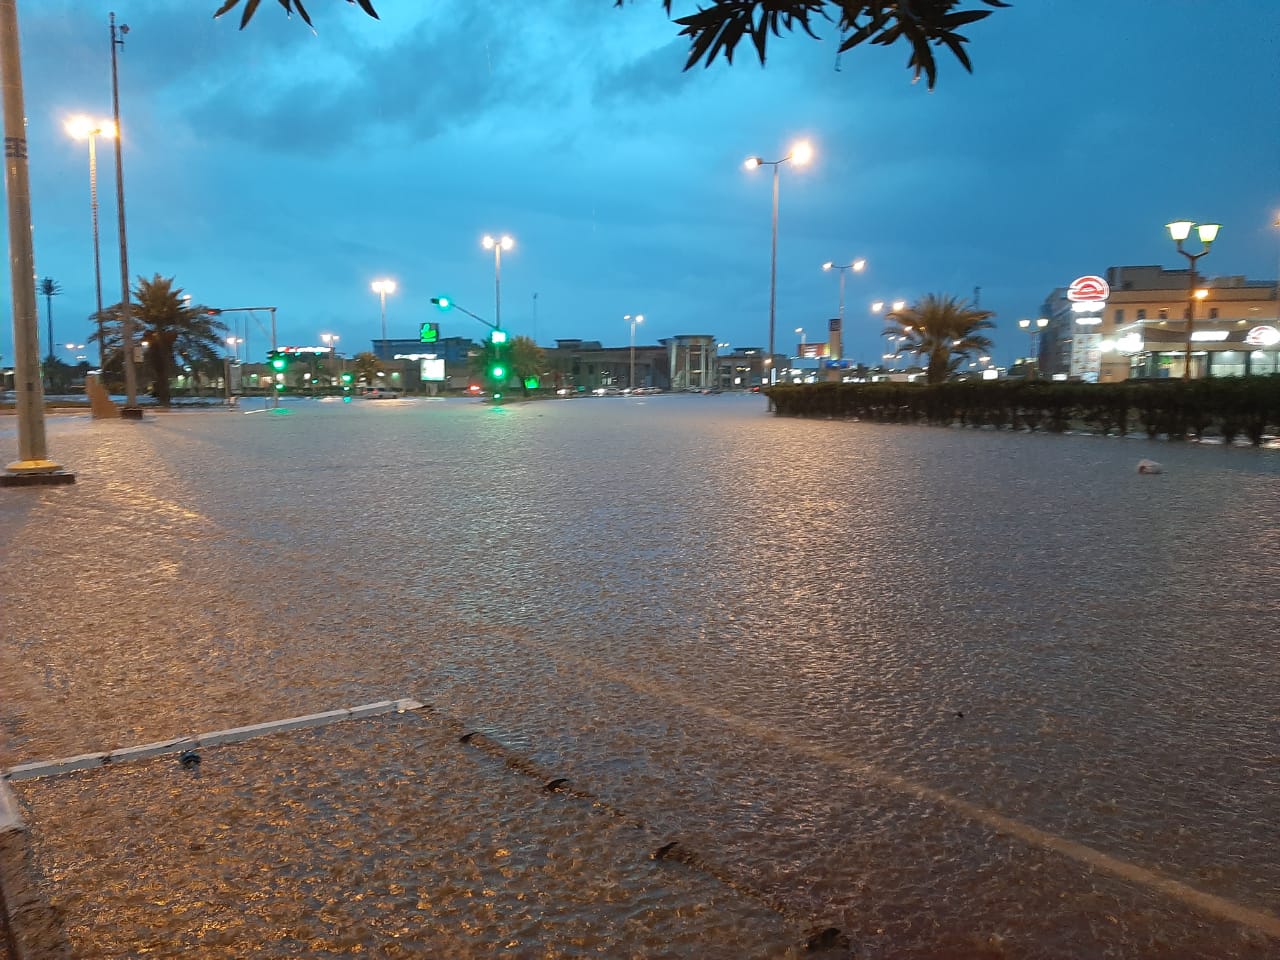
point(277, 166)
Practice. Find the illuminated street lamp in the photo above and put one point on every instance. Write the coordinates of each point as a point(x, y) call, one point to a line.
point(1032, 331)
point(897, 306)
point(83, 128)
point(801, 153)
point(638, 318)
point(857, 266)
point(382, 288)
point(331, 341)
point(1179, 230)
point(497, 245)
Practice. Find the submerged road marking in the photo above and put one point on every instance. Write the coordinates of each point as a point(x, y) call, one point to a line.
point(1208, 903)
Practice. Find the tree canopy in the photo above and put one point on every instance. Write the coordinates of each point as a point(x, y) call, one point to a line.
point(943, 330)
point(717, 29)
point(171, 331)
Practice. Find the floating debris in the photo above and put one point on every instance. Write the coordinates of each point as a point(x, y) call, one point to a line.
point(1149, 466)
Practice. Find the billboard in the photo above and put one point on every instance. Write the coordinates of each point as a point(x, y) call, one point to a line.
point(432, 368)
point(1086, 356)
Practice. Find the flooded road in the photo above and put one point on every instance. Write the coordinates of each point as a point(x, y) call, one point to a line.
point(955, 693)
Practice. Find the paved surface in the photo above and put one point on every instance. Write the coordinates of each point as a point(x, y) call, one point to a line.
point(951, 693)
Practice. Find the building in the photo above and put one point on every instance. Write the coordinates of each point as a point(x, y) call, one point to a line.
point(589, 365)
point(444, 364)
point(1132, 323)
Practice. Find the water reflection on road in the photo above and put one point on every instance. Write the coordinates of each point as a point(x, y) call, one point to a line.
point(952, 691)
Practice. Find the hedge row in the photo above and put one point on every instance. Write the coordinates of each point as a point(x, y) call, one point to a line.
point(1228, 407)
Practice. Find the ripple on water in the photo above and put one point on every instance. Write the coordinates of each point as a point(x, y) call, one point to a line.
point(747, 631)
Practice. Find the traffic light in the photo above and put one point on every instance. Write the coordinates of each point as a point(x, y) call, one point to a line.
point(498, 368)
point(444, 303)
point(278, 361)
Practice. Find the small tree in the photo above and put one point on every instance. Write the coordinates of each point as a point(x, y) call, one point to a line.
point(367, 367)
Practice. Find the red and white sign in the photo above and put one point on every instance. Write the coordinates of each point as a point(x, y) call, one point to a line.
point(1088, 290)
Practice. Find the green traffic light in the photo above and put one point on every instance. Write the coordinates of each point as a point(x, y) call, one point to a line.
point(444, 303)
point(277, 363)
point(498, 372)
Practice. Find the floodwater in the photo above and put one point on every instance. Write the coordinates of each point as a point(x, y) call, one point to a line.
point(955, 693)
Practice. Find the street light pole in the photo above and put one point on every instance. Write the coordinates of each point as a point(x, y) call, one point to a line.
point(86, 129)
point(497, 245)
point(857, 266)
point(331, 341)
point(1179, 230)
point(131, 409)
point(382, 288)
point(801, 153)
point(638, 318)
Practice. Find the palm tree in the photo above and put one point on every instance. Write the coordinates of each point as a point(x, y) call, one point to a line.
point(49, 288)
point(943, 330)
point(173, 331)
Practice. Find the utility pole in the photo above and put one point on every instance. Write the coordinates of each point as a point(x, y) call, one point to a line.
point(131, 409)
point(32, 466)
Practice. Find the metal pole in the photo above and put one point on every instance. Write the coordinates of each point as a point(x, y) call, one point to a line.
point(1191, 309)
point(131, 409)
point(33, 459)
point(97, 257)
point(275, 394)
point(631, 377)
point(382, 294)
point(773, 274)
point(497, 284)
point(842, 270)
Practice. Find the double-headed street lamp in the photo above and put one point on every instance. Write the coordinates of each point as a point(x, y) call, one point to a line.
point(1179, 230)
point(84, 128)
point(800, 154)
point(497, 245)
point(1033, 329)
point(638, 318)
point(857, 266)
point(382, 288)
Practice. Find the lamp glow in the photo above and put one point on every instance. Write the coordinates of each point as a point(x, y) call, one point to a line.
point(1179, 230)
